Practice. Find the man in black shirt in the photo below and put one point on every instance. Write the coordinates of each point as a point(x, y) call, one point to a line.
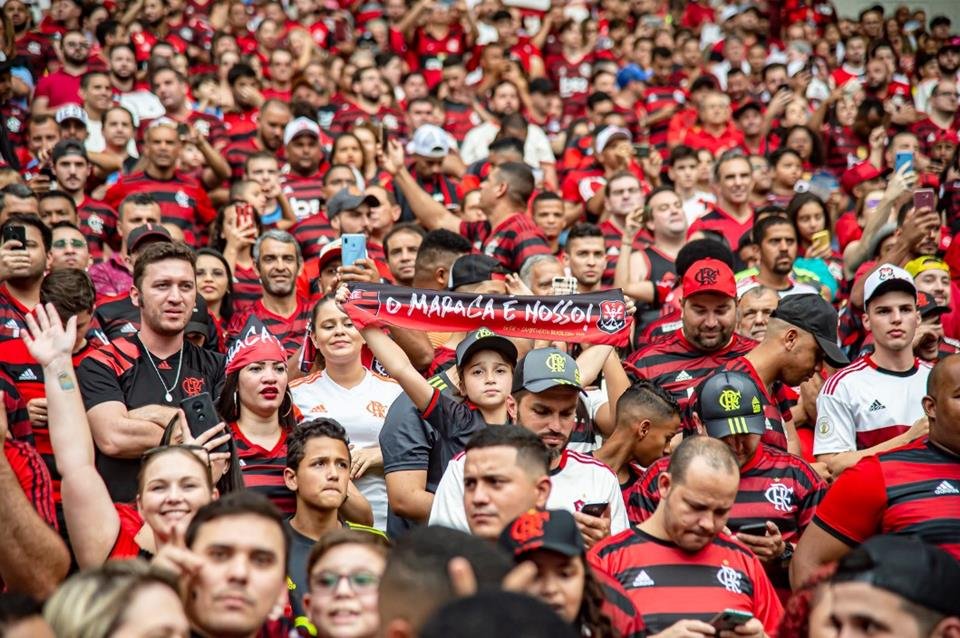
point(133, 387)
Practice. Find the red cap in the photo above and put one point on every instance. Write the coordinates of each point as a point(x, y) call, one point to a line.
point(946, 135)
point(862, 172)
point(709, 275)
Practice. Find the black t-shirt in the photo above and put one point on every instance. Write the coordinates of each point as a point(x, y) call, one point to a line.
point(123, 372)
point(118, 317)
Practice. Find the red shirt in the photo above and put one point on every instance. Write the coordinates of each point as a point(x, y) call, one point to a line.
point(720, 221)
point(698, 137)
point(59, 88)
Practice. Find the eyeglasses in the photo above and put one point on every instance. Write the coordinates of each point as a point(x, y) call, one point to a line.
point(945, 94)
point(361, 582)
point(74, 243)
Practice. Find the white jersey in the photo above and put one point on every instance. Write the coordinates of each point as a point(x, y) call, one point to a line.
point(579, 480)
point(863, 405)
point(360, 410)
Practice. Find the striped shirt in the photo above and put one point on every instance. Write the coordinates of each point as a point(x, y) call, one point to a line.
point(33, 477)
point(914, 489)
point(305, 193)
point(720, 221)
point(18, 419)
point(262, 469)
point(655, 99)
point(668, 584)
point(512, 242)
point(183, 202)
point(774, 486)
point(291, 330)
point(98, 223)
point(246, 288)
point(12, 314)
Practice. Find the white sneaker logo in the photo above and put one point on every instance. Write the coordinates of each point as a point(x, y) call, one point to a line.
point(643, 580)
point(27, 375)
point(946, 487)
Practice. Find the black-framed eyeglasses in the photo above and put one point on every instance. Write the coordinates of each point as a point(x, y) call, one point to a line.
point(361, 582)
point(74, 243)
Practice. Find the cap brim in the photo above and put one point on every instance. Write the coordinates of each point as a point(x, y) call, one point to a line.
point(196, 326)
point(542, 385)
point(753, 424)
point(832, 352)
point(566, 549)
point(496, 343)
point(891, 285)
point(933, 310)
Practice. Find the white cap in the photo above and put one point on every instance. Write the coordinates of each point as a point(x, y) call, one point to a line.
point(605, 136)
point(728, 12)
point(299, 126)
point(70, 112)
point(885, 279)
point(429, 141)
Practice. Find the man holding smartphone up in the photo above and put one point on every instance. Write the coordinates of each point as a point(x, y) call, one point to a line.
point(23, 258)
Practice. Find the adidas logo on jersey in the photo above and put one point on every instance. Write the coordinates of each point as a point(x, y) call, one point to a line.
point(27, 375)
point(11, 324)
point(946, 487)
point(876, 405)
point(128, 328)
point(683, 376)
point(643, 580)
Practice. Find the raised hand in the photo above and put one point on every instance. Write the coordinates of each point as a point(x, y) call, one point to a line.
point(46, 337)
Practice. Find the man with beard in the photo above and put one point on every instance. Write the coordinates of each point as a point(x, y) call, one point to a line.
point(546, 389)
point(753, 311)
point(98, 221)
point(400, 248)
point(171, 88)
point(303, 181)
point(276, 258)
point(854, 54)
point(874, 404)
point(63, 86)
point(141, 102)
point(114, 276)
point(681, 360)
point(21, 271)
point(274, 117)
point(732, 215)
point(133, 387)
point(183, 201)
point(777, 239)
point(367, 84)
point(32, 44)
point(678, 563)
point(948, 60)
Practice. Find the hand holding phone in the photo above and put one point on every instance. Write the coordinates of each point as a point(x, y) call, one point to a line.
point(201, 416)
point(244, 215)
point(753, 529)
point(730, 619)
point(353, 247)
point(820, 239)
point(594, 509)
point(923, 198)
point(901, 159)
point(15, 233)
point(564, 286)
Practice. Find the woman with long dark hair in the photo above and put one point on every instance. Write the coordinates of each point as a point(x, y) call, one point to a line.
point(215, 285)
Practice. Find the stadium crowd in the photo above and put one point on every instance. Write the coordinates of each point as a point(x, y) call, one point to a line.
point(357, 318)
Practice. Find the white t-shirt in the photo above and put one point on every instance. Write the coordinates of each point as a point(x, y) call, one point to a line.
point(579, 480)
point(361, 411)
point(862, 405)
point(536, 148)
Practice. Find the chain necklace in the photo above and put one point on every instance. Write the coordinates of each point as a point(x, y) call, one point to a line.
point(167, 397)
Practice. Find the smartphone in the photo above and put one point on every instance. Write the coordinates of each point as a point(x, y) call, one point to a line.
point(903, 158)
point(729, 619)
point(820, 238)
point(18, 233)
point(201, 416)
point(382, 135)
point(353, 247)
point(923, 198)
point(244, 215)
point(754, 529)
point(564, 286)
point(642, 151)
point(594, 509)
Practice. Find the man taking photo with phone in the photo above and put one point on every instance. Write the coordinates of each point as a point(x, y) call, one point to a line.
point(23, 259)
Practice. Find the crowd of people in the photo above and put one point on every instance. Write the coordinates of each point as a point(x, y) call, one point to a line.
point(290, 309)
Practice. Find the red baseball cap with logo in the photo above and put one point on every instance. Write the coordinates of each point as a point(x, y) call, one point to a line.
point(709, 275)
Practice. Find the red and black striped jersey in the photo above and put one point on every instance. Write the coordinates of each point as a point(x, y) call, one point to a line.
point(246, 288)
point(236, 154)
point(914, 489)
point(720, 221)
point(777, 405)
point(351, 113)
point(459, 118)
point(14, 119)
point(262, 469)
point(124, 372)
point(291, 331)
point(183, 202)
point(33, 477)
point(624, 617)
point(668, 584)
point(305, 193)
point(18, 420)
point(655, 99)
point(98, 223)
point(207, 125)
point(842, 147)
point(677, 366)
point(512, 242)
point(12, 314)
point(927, 132)
point(115, 317)
point(612, 240)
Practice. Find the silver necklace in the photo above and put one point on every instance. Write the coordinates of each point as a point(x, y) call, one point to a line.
point(167, 397)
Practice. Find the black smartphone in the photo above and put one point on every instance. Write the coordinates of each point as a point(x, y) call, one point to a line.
point(754, 529)
point(642, 151)
point(18, 233)
point(729, 619)
point(201, 416)
point(594, 509)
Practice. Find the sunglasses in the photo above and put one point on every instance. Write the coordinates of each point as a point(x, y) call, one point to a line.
point(74, 243)
point(360, 582)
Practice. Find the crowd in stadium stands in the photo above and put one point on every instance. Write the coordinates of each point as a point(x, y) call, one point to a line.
point(286, 296)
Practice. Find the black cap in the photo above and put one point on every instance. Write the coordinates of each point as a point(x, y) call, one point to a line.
point(485, 339)
point(730, 403)
point(555, 530)
point(747, 106)
point(928, 306)
point(345, 200)
point(473, 269)
point(814, 314)
point(68, 147)
point(200, 319)
point(546, 368)
point(140, 234)
point(906, 566)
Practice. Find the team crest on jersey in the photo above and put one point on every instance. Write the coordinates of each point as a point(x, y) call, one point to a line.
point(377, 409)
point(192, 386)
point(34, 48)
point(95, 223)
point(730, 579)
point(729, 400)
point(390, 121)
point(823, 426)
point(182, 200)
point(780, 496)
point(13, 125)
point(613, 316)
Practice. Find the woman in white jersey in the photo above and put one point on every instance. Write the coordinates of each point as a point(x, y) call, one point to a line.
point(353, 395)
